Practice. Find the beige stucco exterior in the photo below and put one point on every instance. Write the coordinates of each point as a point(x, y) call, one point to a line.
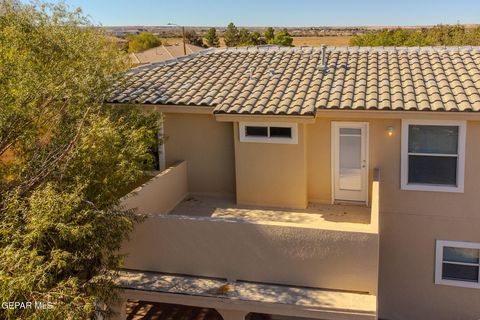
point(271, 174)
point(172, 184)
point(293, 175)
point(207, 145)
point(261, 252)
point(411, 221)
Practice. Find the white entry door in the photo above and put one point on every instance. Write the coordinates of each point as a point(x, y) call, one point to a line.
point(350, 161)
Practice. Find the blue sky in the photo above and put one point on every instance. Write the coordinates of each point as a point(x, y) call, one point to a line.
point(279, 12)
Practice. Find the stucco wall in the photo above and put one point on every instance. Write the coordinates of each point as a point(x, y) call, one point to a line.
point(269, 253)
point(407, 265)
point(161, 193)
point(271, 174)
point(384, 153)
point(411, 220)
point(319, 162)
point(207, 146)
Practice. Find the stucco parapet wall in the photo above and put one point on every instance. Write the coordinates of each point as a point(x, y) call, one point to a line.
point(357, 228)
point(171, 184)
point(239, 295)
point(262, 252)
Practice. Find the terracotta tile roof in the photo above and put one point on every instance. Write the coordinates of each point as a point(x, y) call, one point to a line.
point(292, 81)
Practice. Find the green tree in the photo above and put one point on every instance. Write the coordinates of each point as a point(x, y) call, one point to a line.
point(441, 35)
point(211, 38)
point(193, 38)
point(257, 39)
point(142, 42)
point(269, 34)
point(231, 35)
point(283, 38)
point(70, 157)
point(244, 37)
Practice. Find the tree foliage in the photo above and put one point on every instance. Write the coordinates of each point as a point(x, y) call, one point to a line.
point(142, 42)
point(256, 39)
point(269, 34)
point(192, 37)
point(243, 37)
point(283, 38)
point(65, 158)
point(231, 35)
point(455, 35)
point(211, 38)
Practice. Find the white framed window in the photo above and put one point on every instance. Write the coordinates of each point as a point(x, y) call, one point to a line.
point(268, 132)
point(433, 155)
point(457, 264)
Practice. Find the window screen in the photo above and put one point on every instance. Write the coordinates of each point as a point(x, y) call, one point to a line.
point(259, 132)
point(252, 131)
point(433, 154)
point(461, 264)
point(280, 132)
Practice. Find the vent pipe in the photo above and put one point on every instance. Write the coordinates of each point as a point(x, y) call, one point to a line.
point(324, 56)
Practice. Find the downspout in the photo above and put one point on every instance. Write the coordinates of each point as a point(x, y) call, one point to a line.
point(161, 145)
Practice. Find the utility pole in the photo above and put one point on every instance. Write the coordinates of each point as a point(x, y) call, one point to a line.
point(184, 45)
point(183, 37)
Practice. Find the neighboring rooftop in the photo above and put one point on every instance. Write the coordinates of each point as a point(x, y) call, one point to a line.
point(292, 81)
point(163, 52)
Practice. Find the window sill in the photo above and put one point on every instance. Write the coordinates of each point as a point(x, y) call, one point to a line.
point(269, 140)
point(433, 188)
point(455, 283)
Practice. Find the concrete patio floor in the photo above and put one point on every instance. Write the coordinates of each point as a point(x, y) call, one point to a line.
point(315, 215)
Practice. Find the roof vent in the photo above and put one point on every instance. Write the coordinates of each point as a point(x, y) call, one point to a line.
point(324, 56)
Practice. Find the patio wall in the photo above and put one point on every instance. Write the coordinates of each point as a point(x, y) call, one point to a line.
point(270, 253)
point(161, 193)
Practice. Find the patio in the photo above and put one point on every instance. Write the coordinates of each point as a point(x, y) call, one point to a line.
point(315, 215)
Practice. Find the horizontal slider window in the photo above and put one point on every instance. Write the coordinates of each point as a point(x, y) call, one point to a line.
point(268, 132)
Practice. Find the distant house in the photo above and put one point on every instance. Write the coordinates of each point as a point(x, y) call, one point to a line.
point(163, 52)
point(311, 183)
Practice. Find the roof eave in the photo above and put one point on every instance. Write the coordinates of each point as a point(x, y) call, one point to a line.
point(168, 108)
point(398, 114)
point(226, 117)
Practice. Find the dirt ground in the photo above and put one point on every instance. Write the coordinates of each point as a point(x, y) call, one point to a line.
point(337, 41)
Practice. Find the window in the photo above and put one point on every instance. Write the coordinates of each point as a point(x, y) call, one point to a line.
point(269, 132)
point(433, 155)
point(280, 132)
point(457, 263)
point(253, 131)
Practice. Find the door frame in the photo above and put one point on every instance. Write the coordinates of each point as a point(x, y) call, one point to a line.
point(333, 150)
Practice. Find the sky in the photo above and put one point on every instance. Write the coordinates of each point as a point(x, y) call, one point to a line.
point(279, 13)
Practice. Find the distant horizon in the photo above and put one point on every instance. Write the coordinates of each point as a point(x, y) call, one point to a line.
point(299, 27)
point(279, 13)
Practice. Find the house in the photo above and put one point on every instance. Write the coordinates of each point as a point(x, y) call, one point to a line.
point(311, 183)
point(163, 52)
